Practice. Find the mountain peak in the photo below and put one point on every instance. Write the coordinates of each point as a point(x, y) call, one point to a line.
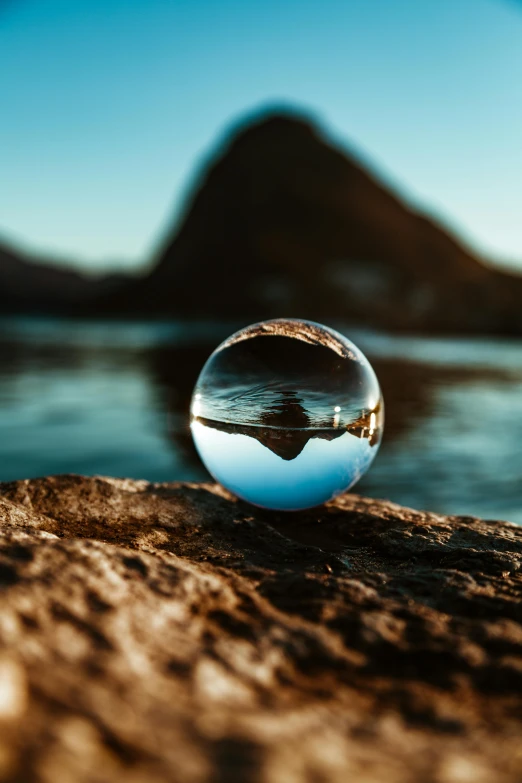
point(284, 222)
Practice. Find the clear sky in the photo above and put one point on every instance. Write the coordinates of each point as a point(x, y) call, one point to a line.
point(108, 106)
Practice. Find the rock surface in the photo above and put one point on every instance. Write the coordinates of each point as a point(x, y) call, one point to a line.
point(170, 633)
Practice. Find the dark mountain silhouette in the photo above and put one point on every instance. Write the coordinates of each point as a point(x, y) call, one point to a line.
point(288, 441)
point(284, 223)
point(32, 286)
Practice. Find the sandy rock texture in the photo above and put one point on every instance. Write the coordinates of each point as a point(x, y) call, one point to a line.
point(170, 633)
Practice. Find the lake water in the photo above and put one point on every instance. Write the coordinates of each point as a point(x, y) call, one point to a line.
point(113, 399)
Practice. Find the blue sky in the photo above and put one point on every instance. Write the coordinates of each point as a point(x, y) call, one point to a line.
point(107, 107)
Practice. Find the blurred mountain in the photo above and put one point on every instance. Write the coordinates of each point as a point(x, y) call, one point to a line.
point(284, 223)
point(28, 285)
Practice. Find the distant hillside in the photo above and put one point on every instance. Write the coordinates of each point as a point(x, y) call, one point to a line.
point(284, 223)
point(28, 285)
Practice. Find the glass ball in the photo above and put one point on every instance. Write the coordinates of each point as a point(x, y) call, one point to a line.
point(287, 414)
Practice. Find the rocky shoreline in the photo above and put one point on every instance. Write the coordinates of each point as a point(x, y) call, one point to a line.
point(171, 633)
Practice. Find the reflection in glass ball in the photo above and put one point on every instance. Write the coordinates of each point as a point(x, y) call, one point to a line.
point(287, 414)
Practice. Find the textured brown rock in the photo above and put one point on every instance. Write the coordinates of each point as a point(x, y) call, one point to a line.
point(169, 633)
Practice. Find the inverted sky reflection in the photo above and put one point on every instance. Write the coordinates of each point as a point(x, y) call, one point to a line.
point(322, 470)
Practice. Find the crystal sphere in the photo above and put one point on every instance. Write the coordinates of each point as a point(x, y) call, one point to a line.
point(287, 414)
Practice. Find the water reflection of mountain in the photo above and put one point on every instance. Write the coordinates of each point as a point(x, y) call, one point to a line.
point(287, 381)
point(408, 390)
point(286, 412)
point(86, 403)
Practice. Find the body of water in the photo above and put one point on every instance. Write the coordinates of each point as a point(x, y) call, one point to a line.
point(113, 398)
